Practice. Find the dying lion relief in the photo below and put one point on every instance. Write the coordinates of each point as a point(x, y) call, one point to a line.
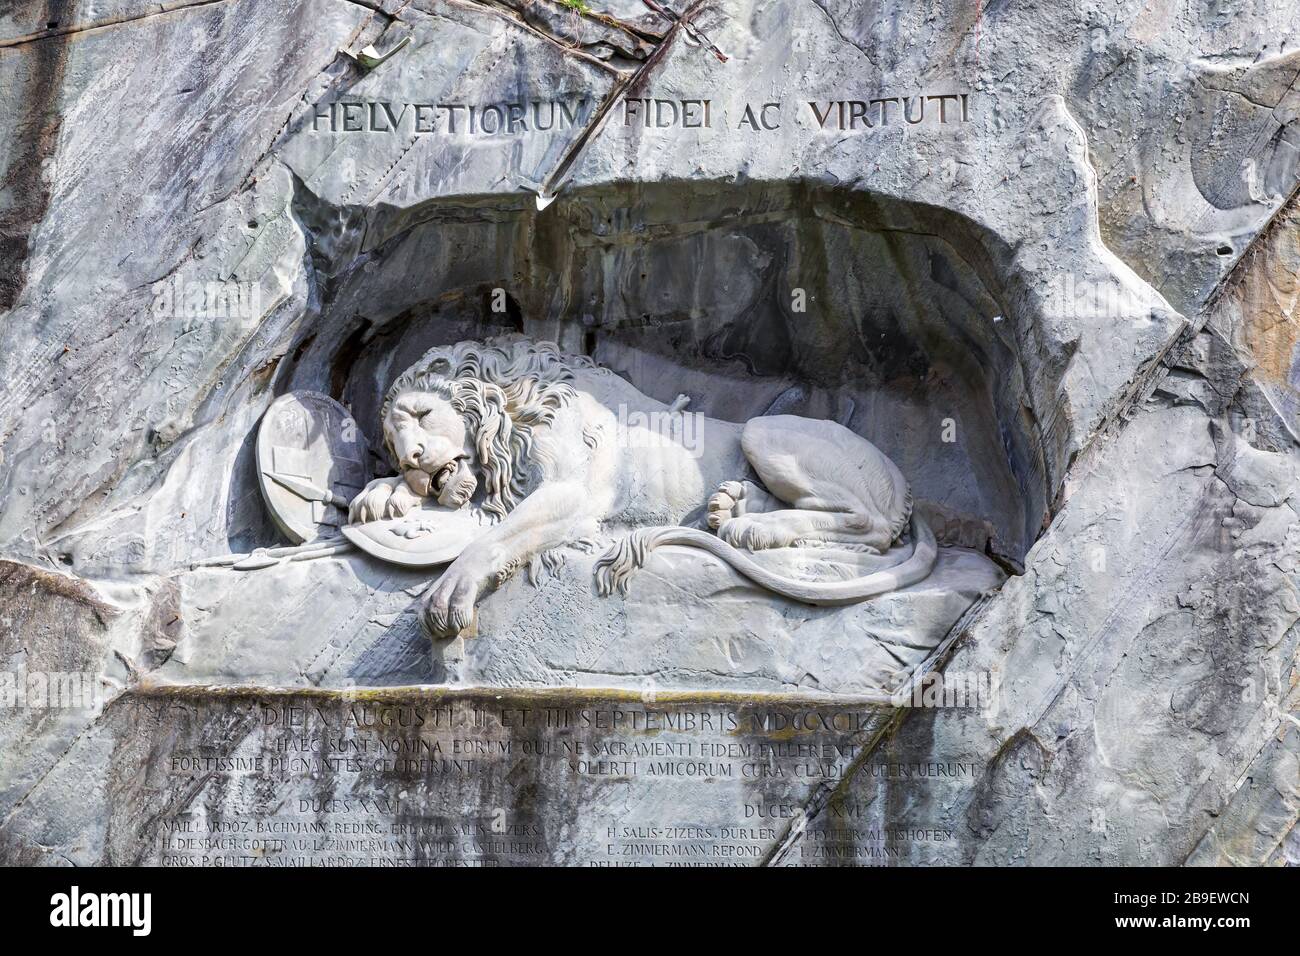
point(507, 451)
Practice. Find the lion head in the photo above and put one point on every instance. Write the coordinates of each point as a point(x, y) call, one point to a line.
point(473, 407)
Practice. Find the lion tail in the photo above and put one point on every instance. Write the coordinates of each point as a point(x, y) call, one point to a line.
point(614, 569)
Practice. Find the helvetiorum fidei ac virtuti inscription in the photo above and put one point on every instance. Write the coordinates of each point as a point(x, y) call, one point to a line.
point(757, 433)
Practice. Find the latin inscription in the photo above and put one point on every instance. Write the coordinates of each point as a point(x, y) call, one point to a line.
point(487, 781)
point(839, 115)
point(649, 113)
point(451, 119)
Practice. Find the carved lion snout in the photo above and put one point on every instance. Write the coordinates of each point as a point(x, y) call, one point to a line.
point(408, 447)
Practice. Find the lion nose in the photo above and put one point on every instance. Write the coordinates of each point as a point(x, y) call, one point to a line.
point(412, 458)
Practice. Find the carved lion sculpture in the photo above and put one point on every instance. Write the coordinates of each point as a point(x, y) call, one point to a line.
point(557, 450)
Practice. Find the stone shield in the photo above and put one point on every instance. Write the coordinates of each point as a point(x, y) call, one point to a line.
point(309, 440)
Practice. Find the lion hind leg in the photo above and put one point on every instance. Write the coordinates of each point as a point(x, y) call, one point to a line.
point(791, 527)
point(815, 465)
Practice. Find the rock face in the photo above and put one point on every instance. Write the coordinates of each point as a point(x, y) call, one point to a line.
point(1045, 260)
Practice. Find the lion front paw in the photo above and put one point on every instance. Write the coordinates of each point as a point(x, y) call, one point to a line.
point(402, 501)
point(382, 498)
point(370, 502)
point(725, 503)
point(449, 606)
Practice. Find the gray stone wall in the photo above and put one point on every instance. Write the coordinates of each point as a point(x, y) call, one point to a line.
point(1068, 230)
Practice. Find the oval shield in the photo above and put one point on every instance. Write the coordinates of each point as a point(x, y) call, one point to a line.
point(311, 462)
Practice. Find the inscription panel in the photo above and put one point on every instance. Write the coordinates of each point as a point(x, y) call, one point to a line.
point(469, 779)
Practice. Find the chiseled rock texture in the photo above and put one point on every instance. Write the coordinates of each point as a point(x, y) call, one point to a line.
point(690, 623)
point(1065, 306)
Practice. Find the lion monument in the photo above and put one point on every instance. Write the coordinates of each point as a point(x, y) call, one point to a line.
point(552, 449)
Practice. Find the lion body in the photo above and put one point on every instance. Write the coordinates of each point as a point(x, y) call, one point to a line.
point(569, 450)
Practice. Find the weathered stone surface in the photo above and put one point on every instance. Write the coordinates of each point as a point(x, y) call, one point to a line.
point(53, 631)
point(1142, 693)
point(1064, 307)
point(689, 622)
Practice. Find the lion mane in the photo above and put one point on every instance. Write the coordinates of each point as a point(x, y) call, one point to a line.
point(505, 389)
